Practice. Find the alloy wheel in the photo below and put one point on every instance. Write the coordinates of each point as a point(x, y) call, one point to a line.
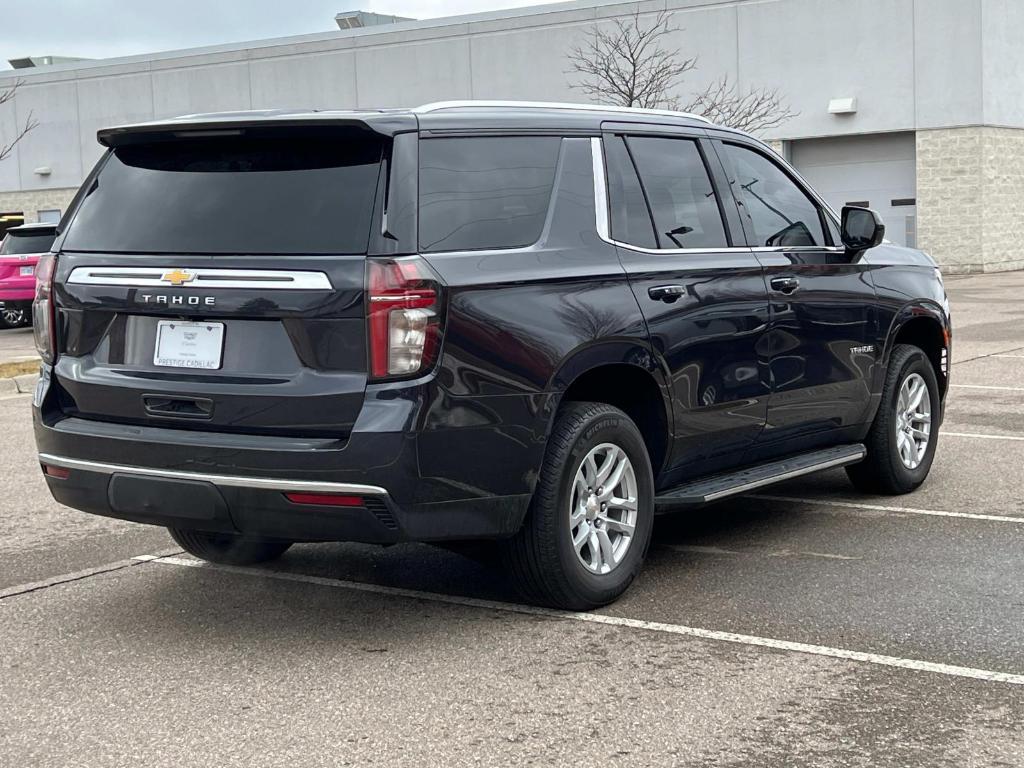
point(913, 421)
point(603, 508)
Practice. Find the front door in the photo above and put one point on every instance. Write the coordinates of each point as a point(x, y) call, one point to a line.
point(704, 300)
point(822, 305)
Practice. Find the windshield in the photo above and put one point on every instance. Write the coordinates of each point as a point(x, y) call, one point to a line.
point(288, 194)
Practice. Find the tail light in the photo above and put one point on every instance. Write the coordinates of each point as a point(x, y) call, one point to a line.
point(403, 316)
point(43, 319)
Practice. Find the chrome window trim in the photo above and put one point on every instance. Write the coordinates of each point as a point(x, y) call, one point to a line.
point(205, 278)
point(601, 210)
point(230, 481)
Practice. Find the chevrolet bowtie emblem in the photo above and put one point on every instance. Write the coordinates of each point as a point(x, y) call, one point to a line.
point(178, 277)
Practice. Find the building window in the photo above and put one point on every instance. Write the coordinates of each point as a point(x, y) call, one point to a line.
point(49, 216)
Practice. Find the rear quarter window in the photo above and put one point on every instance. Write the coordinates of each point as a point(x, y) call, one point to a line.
point(485, 192)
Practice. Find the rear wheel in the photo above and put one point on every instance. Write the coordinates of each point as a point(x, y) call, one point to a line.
point(589, 524)
point(14, 317)
point(901, 443)
point(228, 548)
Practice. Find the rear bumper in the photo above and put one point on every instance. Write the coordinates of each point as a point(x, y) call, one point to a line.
point(417, 483)
point(257, 506)
point(18, 289)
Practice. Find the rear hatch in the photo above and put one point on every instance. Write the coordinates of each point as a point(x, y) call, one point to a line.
point(214, 280)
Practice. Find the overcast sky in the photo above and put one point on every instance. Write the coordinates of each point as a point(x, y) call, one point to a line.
point(107, 28)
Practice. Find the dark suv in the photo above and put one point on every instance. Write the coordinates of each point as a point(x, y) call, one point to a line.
point(537, 323)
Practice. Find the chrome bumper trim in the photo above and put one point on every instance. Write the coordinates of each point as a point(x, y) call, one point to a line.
point(230, 481)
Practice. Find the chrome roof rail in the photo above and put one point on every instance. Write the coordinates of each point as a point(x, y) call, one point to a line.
point(437, 106)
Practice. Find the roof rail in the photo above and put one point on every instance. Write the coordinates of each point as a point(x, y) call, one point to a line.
point(441, 105)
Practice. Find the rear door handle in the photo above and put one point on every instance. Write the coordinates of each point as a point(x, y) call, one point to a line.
point(785, 284)
point(666, 293)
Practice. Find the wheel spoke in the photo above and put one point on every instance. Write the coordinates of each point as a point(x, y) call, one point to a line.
point(920, 434)
point(582, 537)
point(590, 471)
point(596, 558)
point(610, 460)
point(618, 526)
point(917, 395)
point(617, 503)
point(605, 543)
point(613, 480)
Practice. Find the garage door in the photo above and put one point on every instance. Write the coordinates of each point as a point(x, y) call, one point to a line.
point(876, 171)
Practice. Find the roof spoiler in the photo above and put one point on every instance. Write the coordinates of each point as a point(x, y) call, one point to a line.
point(384, 123)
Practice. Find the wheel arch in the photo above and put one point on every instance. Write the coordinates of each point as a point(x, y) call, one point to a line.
point(624, 375)
point(926, 326)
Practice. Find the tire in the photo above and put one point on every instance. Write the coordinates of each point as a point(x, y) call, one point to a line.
point(541, 558)
point(14, 318)
point(228, 548)
point(884, 470)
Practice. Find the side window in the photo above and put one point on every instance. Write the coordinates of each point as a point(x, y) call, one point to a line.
point(630, 219)
point(781, 214)
point(485, 192)
point(679, 190)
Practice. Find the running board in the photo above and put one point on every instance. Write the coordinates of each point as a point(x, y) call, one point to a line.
point(717, 487)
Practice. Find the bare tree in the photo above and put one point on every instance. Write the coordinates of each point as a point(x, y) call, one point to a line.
point(752, 111)
point(6, 94)
point(628, 64)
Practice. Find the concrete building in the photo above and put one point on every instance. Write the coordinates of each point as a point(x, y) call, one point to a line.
point(911, 106)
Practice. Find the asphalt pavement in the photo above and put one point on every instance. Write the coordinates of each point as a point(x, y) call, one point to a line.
point(804, 626)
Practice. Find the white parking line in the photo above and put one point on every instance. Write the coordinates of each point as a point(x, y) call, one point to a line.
point(1015, 357)
point(986, 386)
point(884, 508)
point(944, 433)
point(64, 578)
point(615, 621)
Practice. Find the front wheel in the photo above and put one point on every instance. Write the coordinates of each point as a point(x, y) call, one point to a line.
point(902, 441)
point(589, 524)
point(228, 548)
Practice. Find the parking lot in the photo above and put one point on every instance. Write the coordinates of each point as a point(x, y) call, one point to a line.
point(805, 626)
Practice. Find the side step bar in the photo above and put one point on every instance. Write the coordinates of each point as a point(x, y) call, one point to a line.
point(717, 487)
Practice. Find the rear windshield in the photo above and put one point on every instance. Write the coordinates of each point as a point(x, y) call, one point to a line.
point(295, 194)
point(15, 244)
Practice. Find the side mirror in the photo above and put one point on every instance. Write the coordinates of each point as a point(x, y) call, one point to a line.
point(862, 229)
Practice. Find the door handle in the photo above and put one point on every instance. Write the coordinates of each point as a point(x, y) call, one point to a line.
point(666, 293)
point(785, 284)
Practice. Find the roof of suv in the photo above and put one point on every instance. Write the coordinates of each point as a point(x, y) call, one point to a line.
point(445, 115)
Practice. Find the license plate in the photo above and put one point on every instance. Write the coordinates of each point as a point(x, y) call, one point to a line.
point(189, 345)
point(27, 271)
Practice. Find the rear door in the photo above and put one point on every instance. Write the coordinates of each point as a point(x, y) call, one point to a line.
point(703, 297)
point(822, 303)
point(214, 280)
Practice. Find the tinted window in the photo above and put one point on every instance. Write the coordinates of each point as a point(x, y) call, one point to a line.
point(630, 219)
point(485, 192)
point(682, 200)
point(14, 244)
point(780, 213)
point(300, 194)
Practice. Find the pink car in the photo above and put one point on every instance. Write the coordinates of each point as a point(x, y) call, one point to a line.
point(19, 253)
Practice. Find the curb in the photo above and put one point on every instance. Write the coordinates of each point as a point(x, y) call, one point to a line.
point(23, 385)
